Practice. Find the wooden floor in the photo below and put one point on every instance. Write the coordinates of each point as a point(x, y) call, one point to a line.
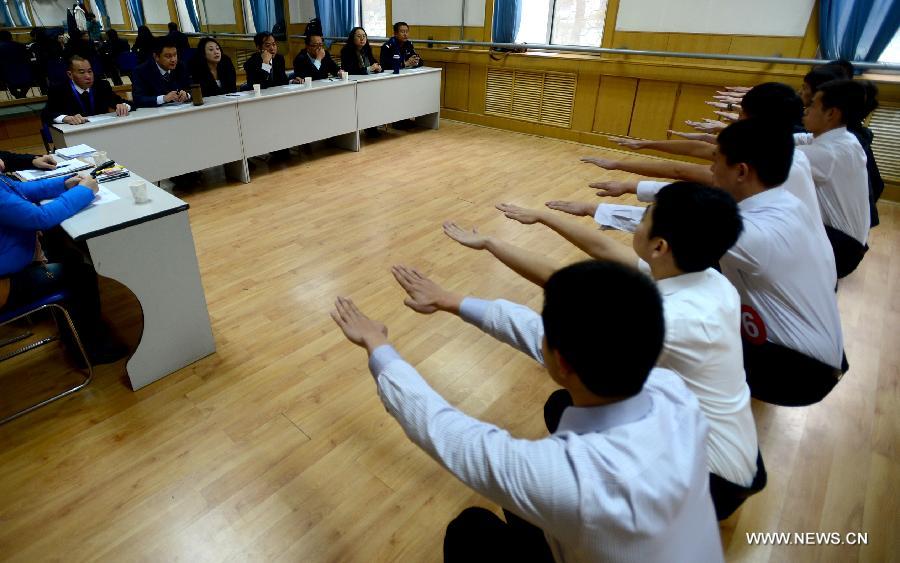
point(277, 446)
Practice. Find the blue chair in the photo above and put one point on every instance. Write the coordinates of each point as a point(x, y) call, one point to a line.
point(126, 62)
point(47, 138)
point(51, 303)
point(18, 78)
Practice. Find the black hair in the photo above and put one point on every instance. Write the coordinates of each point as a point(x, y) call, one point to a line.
point(871, 96)
point(774, 102)
point(173, 26)
point(822, 74)
point(164, 42)
point(144, 35)
point(767, 148)
point(573, 310)
point(76, 58)
point(700, 224)
point(313, 28)
point(845, 66)
point(112, 34)
point(848, 96)
point(260, 38)
point(398, 24)
point(5, 35)
point(200, 59)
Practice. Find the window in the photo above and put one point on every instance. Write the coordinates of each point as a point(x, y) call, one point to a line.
point(562, 22)
point(372, 16)
point(891, 53)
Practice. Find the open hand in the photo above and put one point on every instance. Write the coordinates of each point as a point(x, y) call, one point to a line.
point(45, 162)
point(606, 163)
point(76, 119)
point(358, 328)
point(521, 214)
point(730, 116)
point(707, 125)
point(614, 188)
point(577, 208)
point(472, 238)
point(627, 143)
point(425, 296)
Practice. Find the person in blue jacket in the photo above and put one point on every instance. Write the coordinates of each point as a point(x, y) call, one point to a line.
point(25, 272)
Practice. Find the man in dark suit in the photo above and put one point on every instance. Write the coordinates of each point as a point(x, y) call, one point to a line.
point(163, 80)
point(81, 97)
point(266, 66)
point(180, 39)
point(314, 61)
point(13, 54)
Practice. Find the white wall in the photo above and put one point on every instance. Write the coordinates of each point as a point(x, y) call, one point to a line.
point(156, 11)
point(50, 12)
point(216, 12)
point(114, 11)
point(302, 10)
point(437, 12)
point(757, 17)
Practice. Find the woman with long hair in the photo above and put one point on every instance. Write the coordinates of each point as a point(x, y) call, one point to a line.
point(212, 69)
point(357, 56)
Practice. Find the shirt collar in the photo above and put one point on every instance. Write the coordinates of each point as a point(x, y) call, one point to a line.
point(585, 420)
point(668, 286)
point(761, 199)
point(830, 134)
point(162, 71)
point(79, 89)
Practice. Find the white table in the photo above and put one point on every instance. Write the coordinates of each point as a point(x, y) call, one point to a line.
point(166, 141)
point(150, 249)
point(285, 116)
point(387, 97)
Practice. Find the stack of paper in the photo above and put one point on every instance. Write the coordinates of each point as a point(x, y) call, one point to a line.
point(77, 150)
point(64, 168)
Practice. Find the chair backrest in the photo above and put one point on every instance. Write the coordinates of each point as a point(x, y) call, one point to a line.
point(16, 312)
point(17, 74)
point(126, 61)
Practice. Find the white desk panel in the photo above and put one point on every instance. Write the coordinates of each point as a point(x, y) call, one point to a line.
point(150, 249)
point(159, 143)
point(386, 97)
point(286, 116)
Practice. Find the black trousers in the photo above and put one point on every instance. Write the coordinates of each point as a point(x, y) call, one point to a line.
point(785, 377)
point(478, 535)
point(848, 252)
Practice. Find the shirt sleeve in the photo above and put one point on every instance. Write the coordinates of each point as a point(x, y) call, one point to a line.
point(508, 322)
point(647, 190)
point(266, 67)
point(19, 213)
point(39, 190)
point(803, 138)
point(534, 479)
point(58, 119)
point(821, 162)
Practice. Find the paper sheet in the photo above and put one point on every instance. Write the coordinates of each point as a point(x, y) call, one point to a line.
point(237, 94)
point(62, 168)
point(77, 150)
point(103, 195)
point(622, 217)
point(100, 118)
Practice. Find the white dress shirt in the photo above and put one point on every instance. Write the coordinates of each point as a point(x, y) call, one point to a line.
point(80, 90)
point(783, 268)
point(838, 164)
point(622, 482)
point(703, 346)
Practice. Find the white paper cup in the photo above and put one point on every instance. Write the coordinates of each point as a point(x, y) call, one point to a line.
point(100, 157)
point(345, 76)
point(139, 192)
point(307, 81)
point(257, 89)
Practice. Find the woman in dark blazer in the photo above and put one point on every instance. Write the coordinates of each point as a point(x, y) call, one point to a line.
point(212, 69)
point(357, 56)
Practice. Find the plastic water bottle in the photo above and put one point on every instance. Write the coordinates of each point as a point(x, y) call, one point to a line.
point(397, 63)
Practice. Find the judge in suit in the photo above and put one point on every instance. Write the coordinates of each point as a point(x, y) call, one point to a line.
point(81, 96)
point(212, 69)
point(314, 61)
point(266, 66)
point(162, 80)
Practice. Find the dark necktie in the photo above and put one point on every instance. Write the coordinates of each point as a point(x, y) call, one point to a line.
point(167, 76)
point(86, 101)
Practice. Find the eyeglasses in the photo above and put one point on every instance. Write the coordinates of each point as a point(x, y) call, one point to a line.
point(269, 44)
point(315, 45)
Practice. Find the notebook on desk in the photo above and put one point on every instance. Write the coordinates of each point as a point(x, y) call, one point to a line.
point(63, 168)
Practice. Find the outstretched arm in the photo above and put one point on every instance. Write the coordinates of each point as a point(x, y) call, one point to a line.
point(532, 266)
point(588, 239)
point(657, 169)
point(698, 149)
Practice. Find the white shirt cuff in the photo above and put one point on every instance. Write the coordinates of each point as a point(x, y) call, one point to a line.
point(647, 190)
point(381, 357)
point(472, 310)
point(59, 119)
point(267, 67)
point(160, 100)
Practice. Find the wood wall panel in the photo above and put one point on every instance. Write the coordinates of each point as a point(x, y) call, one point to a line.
point(653, 107)
point(615, 99)
point(455, 91)
point(691, 105)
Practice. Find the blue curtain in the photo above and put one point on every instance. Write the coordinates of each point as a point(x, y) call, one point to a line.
point(857, 30)
point(23, 13)
point(6, 15)
point(104, 15)
point(336, 17)
point(136, 7)
point(507, 14)
point(192, 14)
point(263, 14)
